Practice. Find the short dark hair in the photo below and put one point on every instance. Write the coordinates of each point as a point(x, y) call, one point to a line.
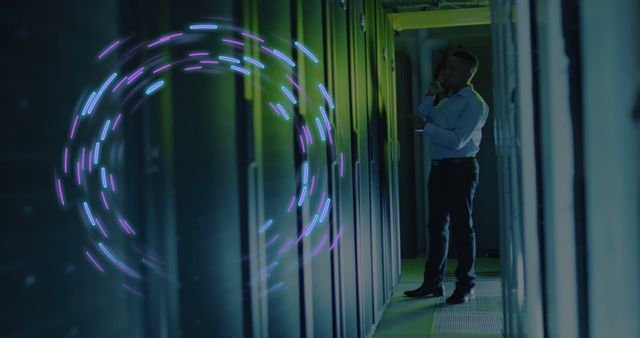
point(469, 58)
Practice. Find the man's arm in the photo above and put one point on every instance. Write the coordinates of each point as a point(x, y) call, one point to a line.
point(473, 114)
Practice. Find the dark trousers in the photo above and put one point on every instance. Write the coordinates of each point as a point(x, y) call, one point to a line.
point(451, 189)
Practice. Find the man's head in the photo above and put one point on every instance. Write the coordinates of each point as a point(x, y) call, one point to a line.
point(459, 69)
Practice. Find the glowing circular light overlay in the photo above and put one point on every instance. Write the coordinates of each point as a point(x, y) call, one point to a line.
point(91, 168)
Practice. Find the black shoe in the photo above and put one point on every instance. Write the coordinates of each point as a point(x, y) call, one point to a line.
point(460, 296)
point(426, 291)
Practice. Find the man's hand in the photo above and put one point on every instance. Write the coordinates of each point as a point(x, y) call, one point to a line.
point(435, 89)
point(416, 121)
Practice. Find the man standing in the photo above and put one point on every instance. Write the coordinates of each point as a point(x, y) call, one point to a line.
point(454, 125)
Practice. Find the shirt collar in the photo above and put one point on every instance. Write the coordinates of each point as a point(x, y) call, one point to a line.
point(465, 91)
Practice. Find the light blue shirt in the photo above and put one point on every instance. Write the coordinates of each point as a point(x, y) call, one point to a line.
point(455, 123)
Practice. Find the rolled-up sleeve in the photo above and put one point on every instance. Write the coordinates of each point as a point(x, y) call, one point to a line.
point(425, 106)
point(471, 118)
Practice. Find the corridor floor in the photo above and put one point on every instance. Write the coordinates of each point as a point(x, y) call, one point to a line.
point(431, 318)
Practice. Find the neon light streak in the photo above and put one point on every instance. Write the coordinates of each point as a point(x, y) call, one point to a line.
point(132, 290)
point(293, 82)
point(274, 288)
point(228, 59)
point(285, 246)
point(233, 42)
point(293, 199)
point(93, 261)
point(203, 27)
point(241, 70)
point(97, 154)
point(252, 37)
point(301, 142)
point(113, 185)
point(162, 68)
point(303, 194)
point(104, 200)
point(311, 226)
point(83, 151)
point(272, 240)
point(266, 49)
point(104, 233)
point(341, 164)
point(88, 103)
point(126, 227)
point(326, 95)
point(321, 201)
point(284, 57)
point(284, 112)
point(326, 209)
point(115, 124)
point(336, 239)
point(313, 181)
point(108, 49)
point(320, 129)
point(105, 129)
point(255, 62)
point(135, 75)
point(209, 62)
point(306, 51)
point(307, 132)
point(88, 211)
point(199, 54)
point(66, 160)
point(324, 117)
point(330, 137)
point(78, 172)
point(289, 95)
point(163, 39)
point(265, 226)
point(118, 84)
point(154, 87)
point(73, 127)
point(274, 108)
point(103, 173)
point(188, 69)
point(116, 262)
point(59, 185)
point(324, 240)
point(305, 176)
point(90, 160)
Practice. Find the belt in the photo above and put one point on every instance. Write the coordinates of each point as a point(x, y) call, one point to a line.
point(453, 160)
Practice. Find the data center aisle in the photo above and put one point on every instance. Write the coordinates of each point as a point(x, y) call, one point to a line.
point(430, 317)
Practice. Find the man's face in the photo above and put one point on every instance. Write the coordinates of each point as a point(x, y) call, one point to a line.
point(455, 73)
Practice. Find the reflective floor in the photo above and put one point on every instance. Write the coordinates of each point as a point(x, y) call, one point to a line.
point(430, 317)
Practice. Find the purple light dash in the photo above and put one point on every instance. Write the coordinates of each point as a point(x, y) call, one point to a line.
point(324, 117)
point(162, 68)
point(135, 75)
point(322, 201)
point(302, 143)
point(291, 204)
point(108, 49)
point(135, 292)
point(266, 226)
point(113, 185)
point(199, 54)
point(93, 261)
point(293, 82)
point(284, 57)
point(336, 239)
point(90, 160)
point(274, 108)
point(192, 68)
point(330, 137)
point(303, 194)
point(88, 103)
point(163, 39)
point(306, 51)
point(266, 49)
point(320, 129)
point(313, 181)
point(66, 159)
point(78, 172)
point(307, 133)
point(73, 128)
point(311, 226)
point(326, 209)
point(88, 211)
point(212, 62)
point(252, 37)
point(104, 233)
point(285, 246)
point(118, 84)
point(283, 111)
point(326, 95)
point(115, 124)
point(233, 42)
point(104, 200)
point(83, 151)
point(60, 192)
point(341, 165)
point(324, 240)
point(272, 240)
point(241, 70)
